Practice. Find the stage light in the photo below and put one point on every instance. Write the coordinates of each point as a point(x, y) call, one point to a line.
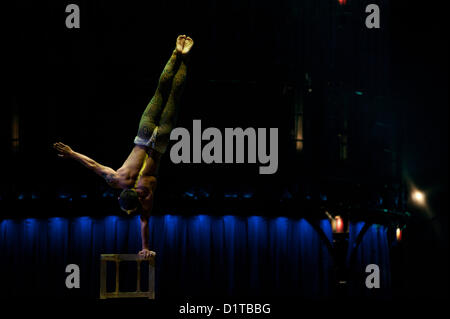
point(358, 93)
point(230, 195)
point(339, 224)
point(398, 234)
point(188, 194)
point(342, 2)
point(107, 193)
point(202, 193)
point(418, 197)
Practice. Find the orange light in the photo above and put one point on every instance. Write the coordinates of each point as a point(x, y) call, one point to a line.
point(339, 224)
point(398, 234)
point(342, 2)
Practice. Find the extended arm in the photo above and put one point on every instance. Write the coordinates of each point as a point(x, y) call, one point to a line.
point(107, 173)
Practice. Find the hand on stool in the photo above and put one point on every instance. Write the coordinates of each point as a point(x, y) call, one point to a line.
point(146, 253)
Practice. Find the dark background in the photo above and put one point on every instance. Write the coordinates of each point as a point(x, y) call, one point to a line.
point(87, 88)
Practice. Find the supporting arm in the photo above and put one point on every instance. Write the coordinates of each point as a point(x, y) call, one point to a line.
point(144, 232)
point(145, 252)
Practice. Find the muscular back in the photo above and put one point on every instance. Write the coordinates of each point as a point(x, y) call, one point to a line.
point(141, 162)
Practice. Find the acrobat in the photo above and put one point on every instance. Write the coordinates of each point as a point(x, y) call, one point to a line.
point(138, 174)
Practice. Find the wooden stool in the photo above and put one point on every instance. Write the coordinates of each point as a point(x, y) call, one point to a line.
point(117, 258)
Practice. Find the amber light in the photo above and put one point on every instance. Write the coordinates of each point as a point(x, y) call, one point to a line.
point(339, 224)
point(398, 234)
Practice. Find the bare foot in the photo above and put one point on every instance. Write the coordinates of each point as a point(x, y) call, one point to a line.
point(188, 43)
point(180, 43)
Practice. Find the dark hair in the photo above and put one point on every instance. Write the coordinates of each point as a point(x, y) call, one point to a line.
point(128, 200)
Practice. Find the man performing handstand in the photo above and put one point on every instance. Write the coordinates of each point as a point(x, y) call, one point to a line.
point(137, 176)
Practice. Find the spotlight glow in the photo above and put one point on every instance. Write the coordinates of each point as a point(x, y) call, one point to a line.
point(418, 197)
point(398, 234)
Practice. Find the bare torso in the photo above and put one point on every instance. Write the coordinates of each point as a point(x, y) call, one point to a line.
point(139, 172)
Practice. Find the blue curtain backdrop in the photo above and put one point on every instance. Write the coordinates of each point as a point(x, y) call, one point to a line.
point(373, 249)
point(196, 255)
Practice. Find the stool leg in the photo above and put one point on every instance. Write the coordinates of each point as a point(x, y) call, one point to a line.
point(138, 284)
point(117, 276)
point(151, 279)
point(103, 279)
